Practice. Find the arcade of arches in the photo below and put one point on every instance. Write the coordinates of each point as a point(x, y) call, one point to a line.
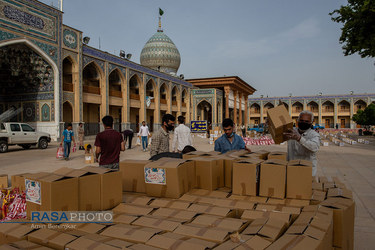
point(329, 111)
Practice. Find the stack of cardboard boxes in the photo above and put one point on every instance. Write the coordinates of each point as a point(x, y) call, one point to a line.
point(238, 200)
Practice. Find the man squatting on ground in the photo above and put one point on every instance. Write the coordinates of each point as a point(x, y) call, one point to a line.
point(303, 142)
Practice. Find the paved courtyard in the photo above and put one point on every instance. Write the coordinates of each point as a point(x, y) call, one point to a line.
point(353, 164)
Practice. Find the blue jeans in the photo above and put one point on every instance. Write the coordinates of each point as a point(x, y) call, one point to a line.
point(67, 149)
point(144, 142)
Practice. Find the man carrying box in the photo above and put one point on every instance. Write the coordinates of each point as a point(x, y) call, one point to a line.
point(303, 142)
point(229, 140)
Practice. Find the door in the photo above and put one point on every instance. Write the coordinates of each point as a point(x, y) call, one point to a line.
point(16, 133)
point(29, 134)
point(137, 123)
point(328, 123)
point(342, 123)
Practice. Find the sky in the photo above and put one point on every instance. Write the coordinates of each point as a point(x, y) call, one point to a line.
point(280, 48)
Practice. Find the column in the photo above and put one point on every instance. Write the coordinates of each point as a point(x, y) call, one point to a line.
point(235, 107)
point(240, 107)
point(290, 107)
point(142, 97)
point(78, 100)
point(320, 113)
point(352, 123)
point(246, 112)
point(179, 97)
point(157, 122)
point(104, 107)
point(169, 98)
point(304, 104)
point(125, 102)
point(261, 112)
point(227, 90)
point(188, 101)
point(335, 113)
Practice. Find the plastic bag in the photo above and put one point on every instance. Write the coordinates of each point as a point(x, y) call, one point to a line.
point(74, 148)
point(138, 142)
point(149, 141)
point(60, 152)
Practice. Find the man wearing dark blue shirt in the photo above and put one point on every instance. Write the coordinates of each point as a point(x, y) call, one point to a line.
point(229, 140)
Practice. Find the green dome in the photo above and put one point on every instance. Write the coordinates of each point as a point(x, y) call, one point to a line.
point(160, 53)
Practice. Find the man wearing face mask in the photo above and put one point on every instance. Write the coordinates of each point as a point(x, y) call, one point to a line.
point(160, 139)
point(229, 140)
point(303, 142)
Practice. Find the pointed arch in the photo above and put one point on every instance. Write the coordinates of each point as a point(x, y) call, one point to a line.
point(55, 69)
point(115, 83)
point(150, 88)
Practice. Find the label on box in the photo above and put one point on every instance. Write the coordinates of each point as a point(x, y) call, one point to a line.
point(33, 191)
point(88, 158)
point(155, 176)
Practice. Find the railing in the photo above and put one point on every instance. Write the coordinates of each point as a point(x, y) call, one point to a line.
point(174, 103)
point(91, 89)
point(163, 101)
point(183, 104)
point(153, 100)
point(115, 93)
point(92, 128)
point(134, 96)
point(68, 87)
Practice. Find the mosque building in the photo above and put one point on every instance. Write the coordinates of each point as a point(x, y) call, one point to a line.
point(50, 76)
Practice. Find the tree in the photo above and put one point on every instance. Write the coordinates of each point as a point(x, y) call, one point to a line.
point(365, 117)
point(358, 32)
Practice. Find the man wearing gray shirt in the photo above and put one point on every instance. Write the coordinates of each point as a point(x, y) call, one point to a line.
point(303, 142)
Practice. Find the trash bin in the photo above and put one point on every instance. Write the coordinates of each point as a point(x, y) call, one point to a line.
point(360, 132)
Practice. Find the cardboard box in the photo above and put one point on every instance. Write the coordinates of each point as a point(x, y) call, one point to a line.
point(51, 238)
point(84, 243)
point(142, 247)
point(22, 244)
point(294, 242)
point(18, 181)
point(177, 215)
point(130, 233)
point(10, 232)
point(169, 178)
point(89, 158)
point(273, 229)
point(228, 169)
point(234, 204)
point(255, 199)
point(213, 234)
point(195, 154)
point(255, 242)
point(91, 228)
point(317, 197)
point(125, 208)
point(213, 210)
point(262, 154)
point(88, 188)
point(234, 241)
point(255, 226)
point(321, 230)
point(158, 223)
point(298, 180)
point(340, 192)
point(124, 218)
point(297, 203)
point(137, 200)
point(343, 221)
point(4, 181)
point(279, 121)
point(51, 193)
point(280, 155)
point(110, 186)
point(175, 204)
point(209, 173)
point(133, 175)
point(245, 177)
point(230, 224)
point(272, 178)
point(252, 215)
point(178, 242)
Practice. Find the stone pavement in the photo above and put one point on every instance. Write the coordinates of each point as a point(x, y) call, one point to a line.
point(353, 164)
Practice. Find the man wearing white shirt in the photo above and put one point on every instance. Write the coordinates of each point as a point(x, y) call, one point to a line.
point(181, 136)
point(144, 132)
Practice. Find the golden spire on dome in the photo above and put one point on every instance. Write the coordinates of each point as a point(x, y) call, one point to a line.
point(161, 12)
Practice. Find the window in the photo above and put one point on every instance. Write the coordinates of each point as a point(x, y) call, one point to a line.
point(15, 127)
point(27, 128)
